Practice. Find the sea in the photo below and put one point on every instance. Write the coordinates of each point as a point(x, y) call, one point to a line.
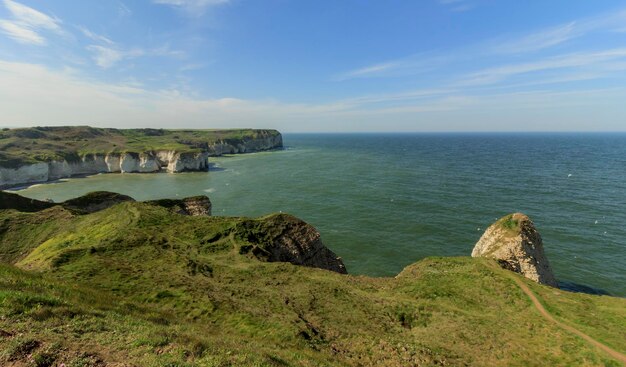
point(384, 201)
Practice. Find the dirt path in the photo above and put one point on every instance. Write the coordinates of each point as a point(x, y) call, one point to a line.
point(613, 353)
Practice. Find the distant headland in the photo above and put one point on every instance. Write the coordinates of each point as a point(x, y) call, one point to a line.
point(41, 154)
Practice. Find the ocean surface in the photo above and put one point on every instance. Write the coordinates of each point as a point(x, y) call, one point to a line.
point(383, 201)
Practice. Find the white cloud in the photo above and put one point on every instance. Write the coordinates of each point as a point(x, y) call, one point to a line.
point(528, 43)
point(105, 57)
point(540, 40)
point(94, 36)
point(414, 64)
point(27, 23)
point(167, 51)
point(21, 33)
point(64, 97)
point(109, 55)
point(554, 36)
point(576, 60)
point(367, 71)
point(32, 17)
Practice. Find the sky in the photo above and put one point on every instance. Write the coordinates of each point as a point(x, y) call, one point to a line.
point(315, 65)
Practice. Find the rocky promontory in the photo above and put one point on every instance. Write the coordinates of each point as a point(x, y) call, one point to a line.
point(285, 238)
point(41, 154)
point(515, 243)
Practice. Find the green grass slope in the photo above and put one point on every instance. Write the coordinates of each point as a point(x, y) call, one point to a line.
point(137, 285)
point(44, 144)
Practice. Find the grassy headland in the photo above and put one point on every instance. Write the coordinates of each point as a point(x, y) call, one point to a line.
point(44, 144)
point(136, 284)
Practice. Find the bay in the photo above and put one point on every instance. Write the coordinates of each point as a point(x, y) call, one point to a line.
point(383, 201)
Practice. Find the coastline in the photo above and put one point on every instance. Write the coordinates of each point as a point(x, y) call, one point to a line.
point(61, 152)
point(210, 168)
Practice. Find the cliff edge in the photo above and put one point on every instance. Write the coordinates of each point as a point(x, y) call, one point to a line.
point(516, 244)
point(285, 238)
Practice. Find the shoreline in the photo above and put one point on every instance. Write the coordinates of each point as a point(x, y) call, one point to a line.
point(210, 168)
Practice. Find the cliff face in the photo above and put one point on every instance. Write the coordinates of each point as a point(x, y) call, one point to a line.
point(285, 238)
point(264, 141)
point(145, 162)
point(194, 206)
point(169, 161)
point(517, 246)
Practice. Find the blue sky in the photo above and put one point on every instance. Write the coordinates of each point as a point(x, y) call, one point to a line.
point(299, 65)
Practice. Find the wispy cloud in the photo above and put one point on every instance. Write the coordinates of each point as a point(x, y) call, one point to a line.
point(553, 36)
point(27, 23)
point(106, 57)
point(414, 64)
point(20, 33)
point(94, 36)
point(457, 5)
point(65, 96)
point(367, 71)
point(575, 60)
point(540, 40)
point(123, 10)
point(32, 17)
point(503, 46)
point(193, 7)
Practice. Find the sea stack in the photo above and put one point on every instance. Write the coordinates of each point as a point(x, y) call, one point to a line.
point(515, 243)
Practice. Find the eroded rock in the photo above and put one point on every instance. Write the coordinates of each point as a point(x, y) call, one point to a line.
point(195, 205)
point(517, 246)
point(283, 237)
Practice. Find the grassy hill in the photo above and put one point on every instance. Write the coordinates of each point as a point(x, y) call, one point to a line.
point(43, 144)
point(138, 285)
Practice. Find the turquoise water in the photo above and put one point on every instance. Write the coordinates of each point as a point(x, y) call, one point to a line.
point(383, 201)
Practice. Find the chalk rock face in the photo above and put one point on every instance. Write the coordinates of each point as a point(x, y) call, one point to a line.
point(265, 141)
point(180, 162)
point(31, 173)
point(515, 243)
point(283, 237)
point(144, 162)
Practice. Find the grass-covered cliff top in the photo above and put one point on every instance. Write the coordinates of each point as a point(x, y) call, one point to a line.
point(136, 284)
point(42, 144)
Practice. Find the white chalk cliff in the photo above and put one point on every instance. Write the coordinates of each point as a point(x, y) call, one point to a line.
point(517, 246)
point(155, 161)
point(169, 161)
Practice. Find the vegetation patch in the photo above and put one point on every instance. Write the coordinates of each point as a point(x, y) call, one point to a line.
point(136, 284)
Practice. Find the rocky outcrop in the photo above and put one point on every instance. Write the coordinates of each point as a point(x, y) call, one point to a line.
point(282, 237)
point(195, 205)
point(517, 246)
point(265, 141)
